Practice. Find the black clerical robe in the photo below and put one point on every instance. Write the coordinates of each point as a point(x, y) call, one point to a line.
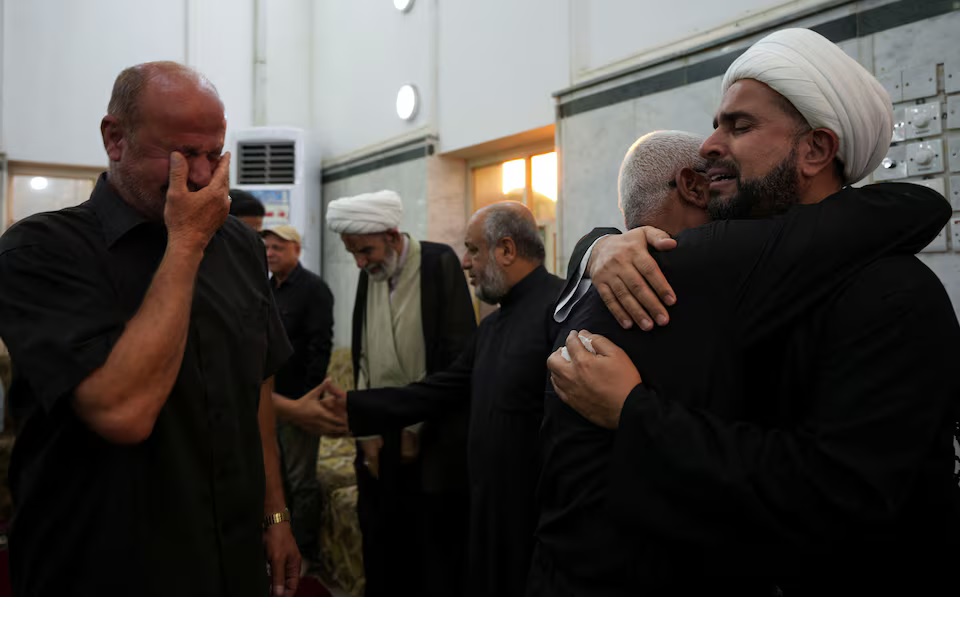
point(501, 374)
point(829, 373)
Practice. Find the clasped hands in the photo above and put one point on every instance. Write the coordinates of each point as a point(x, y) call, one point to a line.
point(323, 411)
point(594, 384)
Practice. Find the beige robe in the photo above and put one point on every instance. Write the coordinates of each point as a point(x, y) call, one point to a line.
point(393, 351)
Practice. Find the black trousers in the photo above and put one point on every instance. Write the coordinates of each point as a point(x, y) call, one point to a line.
point(546, 581)
point(444, 528)
point(389, 511)
point(414, 544)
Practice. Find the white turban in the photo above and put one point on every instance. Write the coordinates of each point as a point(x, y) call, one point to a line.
point(365, 214)
point(829, 89)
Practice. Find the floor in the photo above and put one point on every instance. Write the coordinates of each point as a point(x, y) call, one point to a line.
point(311, 585)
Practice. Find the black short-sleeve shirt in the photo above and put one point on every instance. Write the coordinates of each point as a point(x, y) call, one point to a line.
point(305, 304)
point(181, 512)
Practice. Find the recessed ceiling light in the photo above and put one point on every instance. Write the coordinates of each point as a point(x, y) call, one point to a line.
point(403, 5)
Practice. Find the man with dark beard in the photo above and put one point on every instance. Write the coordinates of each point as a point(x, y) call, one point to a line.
point(793, 423)
point(412, 316)
point(501, 375)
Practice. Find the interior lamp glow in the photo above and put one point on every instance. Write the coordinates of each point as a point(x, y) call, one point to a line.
point(38, 183)
point(407, 102)
point(544, 167)
point(513, 176)
point(402, 5)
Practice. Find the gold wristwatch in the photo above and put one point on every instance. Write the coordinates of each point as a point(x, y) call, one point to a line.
point(276, 518)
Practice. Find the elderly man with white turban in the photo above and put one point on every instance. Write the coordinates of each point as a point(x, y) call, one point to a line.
point(412, 316)
point(791, 429)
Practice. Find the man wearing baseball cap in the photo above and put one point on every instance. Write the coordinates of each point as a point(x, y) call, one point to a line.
point(306, 310)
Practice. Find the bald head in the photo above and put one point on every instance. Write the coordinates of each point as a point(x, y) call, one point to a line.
point(514, 220)
point(157, 77)
point(503, 247)
point(157, 108)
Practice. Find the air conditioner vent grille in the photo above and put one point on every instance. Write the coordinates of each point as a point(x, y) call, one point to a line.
point(266, 162)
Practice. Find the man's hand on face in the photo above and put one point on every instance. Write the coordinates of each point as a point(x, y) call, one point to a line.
point(629, 280)
point(594, 385)
point(193, 217)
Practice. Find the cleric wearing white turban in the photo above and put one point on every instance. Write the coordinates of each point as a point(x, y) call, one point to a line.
point(365, 214)
point(829, 89)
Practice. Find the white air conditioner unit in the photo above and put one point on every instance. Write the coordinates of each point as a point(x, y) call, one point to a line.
point(280, 166)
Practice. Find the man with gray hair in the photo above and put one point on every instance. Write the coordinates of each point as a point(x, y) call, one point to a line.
point(648, 178)
point(659, 195)
point(412, 316)
point(769, 434)
point(501, 375)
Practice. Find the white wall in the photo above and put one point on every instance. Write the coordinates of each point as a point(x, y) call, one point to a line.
point(363, 52)
point(610, 34)
point(60, 58)
point(485, 70)
point(220, 45)
point(289, 63)
point(499, 63)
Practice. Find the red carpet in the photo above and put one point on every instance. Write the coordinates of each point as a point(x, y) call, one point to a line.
point(311, 587)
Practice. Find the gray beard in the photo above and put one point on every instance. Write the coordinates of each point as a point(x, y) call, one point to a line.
point(492, 287)
point(391, 264)
point(771, 194)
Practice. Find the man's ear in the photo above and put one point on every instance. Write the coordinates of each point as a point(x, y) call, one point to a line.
point(114, 137)
point(693, 187)
point(507, 251)
point(393, 238)
point(816, 152)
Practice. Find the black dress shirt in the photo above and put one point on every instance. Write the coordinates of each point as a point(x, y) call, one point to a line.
point(306, 309)
point(180, 513)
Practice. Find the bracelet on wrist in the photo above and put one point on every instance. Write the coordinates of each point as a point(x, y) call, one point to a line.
point(276, 518)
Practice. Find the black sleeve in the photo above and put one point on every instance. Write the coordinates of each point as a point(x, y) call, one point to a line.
point(379, 410)
point(457, 322)
point(579, 251)
point(775, 268)
point(58, 317)
point(319, 328)
point(821, 244)
point(585, 243)
point(781, 267)
point(885, 394)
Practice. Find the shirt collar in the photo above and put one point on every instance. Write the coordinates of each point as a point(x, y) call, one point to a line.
point(291, 279)
point(525, 286)
point(117, 218)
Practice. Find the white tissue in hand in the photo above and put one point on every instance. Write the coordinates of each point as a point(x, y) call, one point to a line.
point(586, 344)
